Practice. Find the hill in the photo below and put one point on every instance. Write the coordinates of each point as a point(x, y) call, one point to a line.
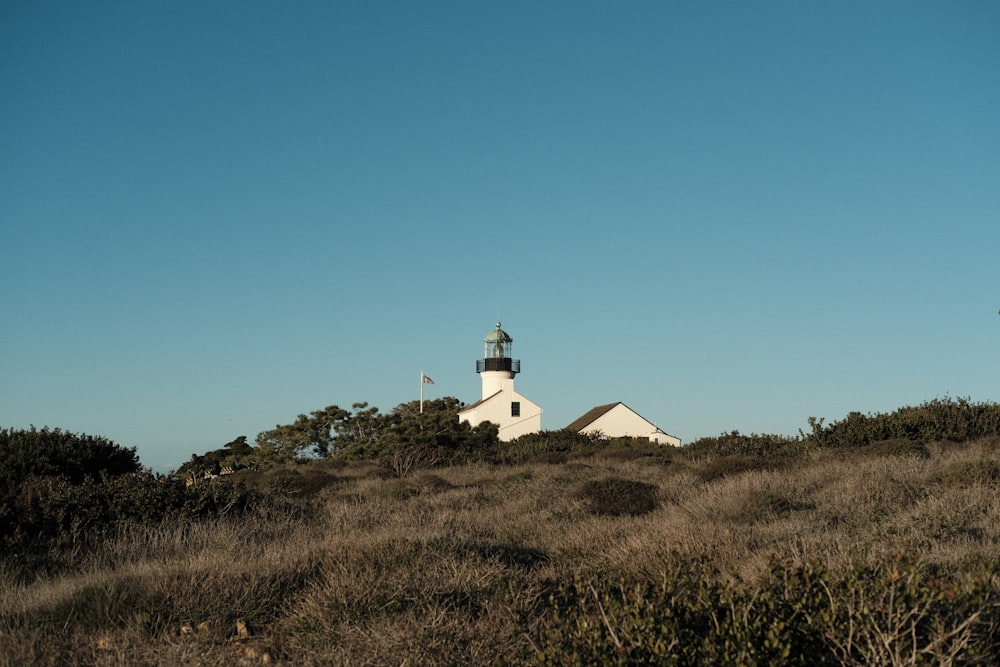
point(735, 550)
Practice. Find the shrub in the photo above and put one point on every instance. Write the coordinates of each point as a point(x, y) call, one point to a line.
point(725, 466)
point(897, 447)
point(57, 453)
point(637, 449)
point(295, 481)
point(429, 483)
point(548, 447)
point(51, 517)
point(976, 471)
point(957, 420)
point(615, 496)
point(899, 612)
point(734, 443)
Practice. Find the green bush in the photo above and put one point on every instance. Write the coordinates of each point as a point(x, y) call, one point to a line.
point(724, 466)
point(735, 443)
point(638, 449)
point(237, 455)
point(897, 447)
point(56, 453)
point(956, 420)
point(50, 490)
point(299, 482)
point(548, 447)
point(899, 612)
point(51, 518)
point(615, 496)
point(904, 432)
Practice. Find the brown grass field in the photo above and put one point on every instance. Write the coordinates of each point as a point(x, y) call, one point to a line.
point(457, 566)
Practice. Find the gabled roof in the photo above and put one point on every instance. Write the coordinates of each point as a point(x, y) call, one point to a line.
point(479, 402)
point(591, 416)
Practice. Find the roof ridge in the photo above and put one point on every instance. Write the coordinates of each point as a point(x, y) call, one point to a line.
point(591, 416)
point(480, 401)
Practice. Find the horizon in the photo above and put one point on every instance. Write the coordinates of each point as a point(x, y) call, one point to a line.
point(727, 217)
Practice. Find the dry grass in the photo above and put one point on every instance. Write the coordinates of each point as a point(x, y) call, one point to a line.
point(423, 570)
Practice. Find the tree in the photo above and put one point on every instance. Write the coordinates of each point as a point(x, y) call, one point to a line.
point(234, 454)
point(239, 448)
point(332, 430)
point(363, 433)
point(358, 433)
point(436, 433)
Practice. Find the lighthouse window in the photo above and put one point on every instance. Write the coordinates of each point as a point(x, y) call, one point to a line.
point(515, 409)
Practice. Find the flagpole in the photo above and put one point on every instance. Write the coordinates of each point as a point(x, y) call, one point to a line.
point(423, 380)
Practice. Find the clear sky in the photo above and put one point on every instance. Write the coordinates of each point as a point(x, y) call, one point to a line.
point(215, 216)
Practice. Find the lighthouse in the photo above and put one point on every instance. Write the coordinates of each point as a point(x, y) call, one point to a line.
point(514, 414)
point(496, 368)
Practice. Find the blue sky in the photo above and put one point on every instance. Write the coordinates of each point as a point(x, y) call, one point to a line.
point(215, 216)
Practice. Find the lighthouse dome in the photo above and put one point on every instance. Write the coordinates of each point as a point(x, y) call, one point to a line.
point(498, 335)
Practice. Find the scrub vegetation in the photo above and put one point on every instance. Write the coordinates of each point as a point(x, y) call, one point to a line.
point(872, 540)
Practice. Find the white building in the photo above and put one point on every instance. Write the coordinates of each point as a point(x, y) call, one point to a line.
point(500, 404)
point(617, 420)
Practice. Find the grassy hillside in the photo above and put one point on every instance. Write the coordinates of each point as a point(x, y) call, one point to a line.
point(876, 554)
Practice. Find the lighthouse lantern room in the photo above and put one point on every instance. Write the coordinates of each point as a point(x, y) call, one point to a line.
point(497, 347)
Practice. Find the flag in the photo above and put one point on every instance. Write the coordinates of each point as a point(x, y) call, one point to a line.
point(426, 379)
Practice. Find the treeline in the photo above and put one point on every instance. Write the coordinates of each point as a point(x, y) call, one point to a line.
point(360, 433)
point(401, 439)
point(435, 437)
point(907, 428)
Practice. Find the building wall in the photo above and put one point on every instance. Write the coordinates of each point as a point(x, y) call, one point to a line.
point(620, 421)
point(497, 409)
point(494, 381)
point(661, 438)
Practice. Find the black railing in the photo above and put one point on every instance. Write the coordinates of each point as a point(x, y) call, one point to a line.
point(503, 364)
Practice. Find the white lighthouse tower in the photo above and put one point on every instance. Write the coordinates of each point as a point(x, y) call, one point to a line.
point(500, 404)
